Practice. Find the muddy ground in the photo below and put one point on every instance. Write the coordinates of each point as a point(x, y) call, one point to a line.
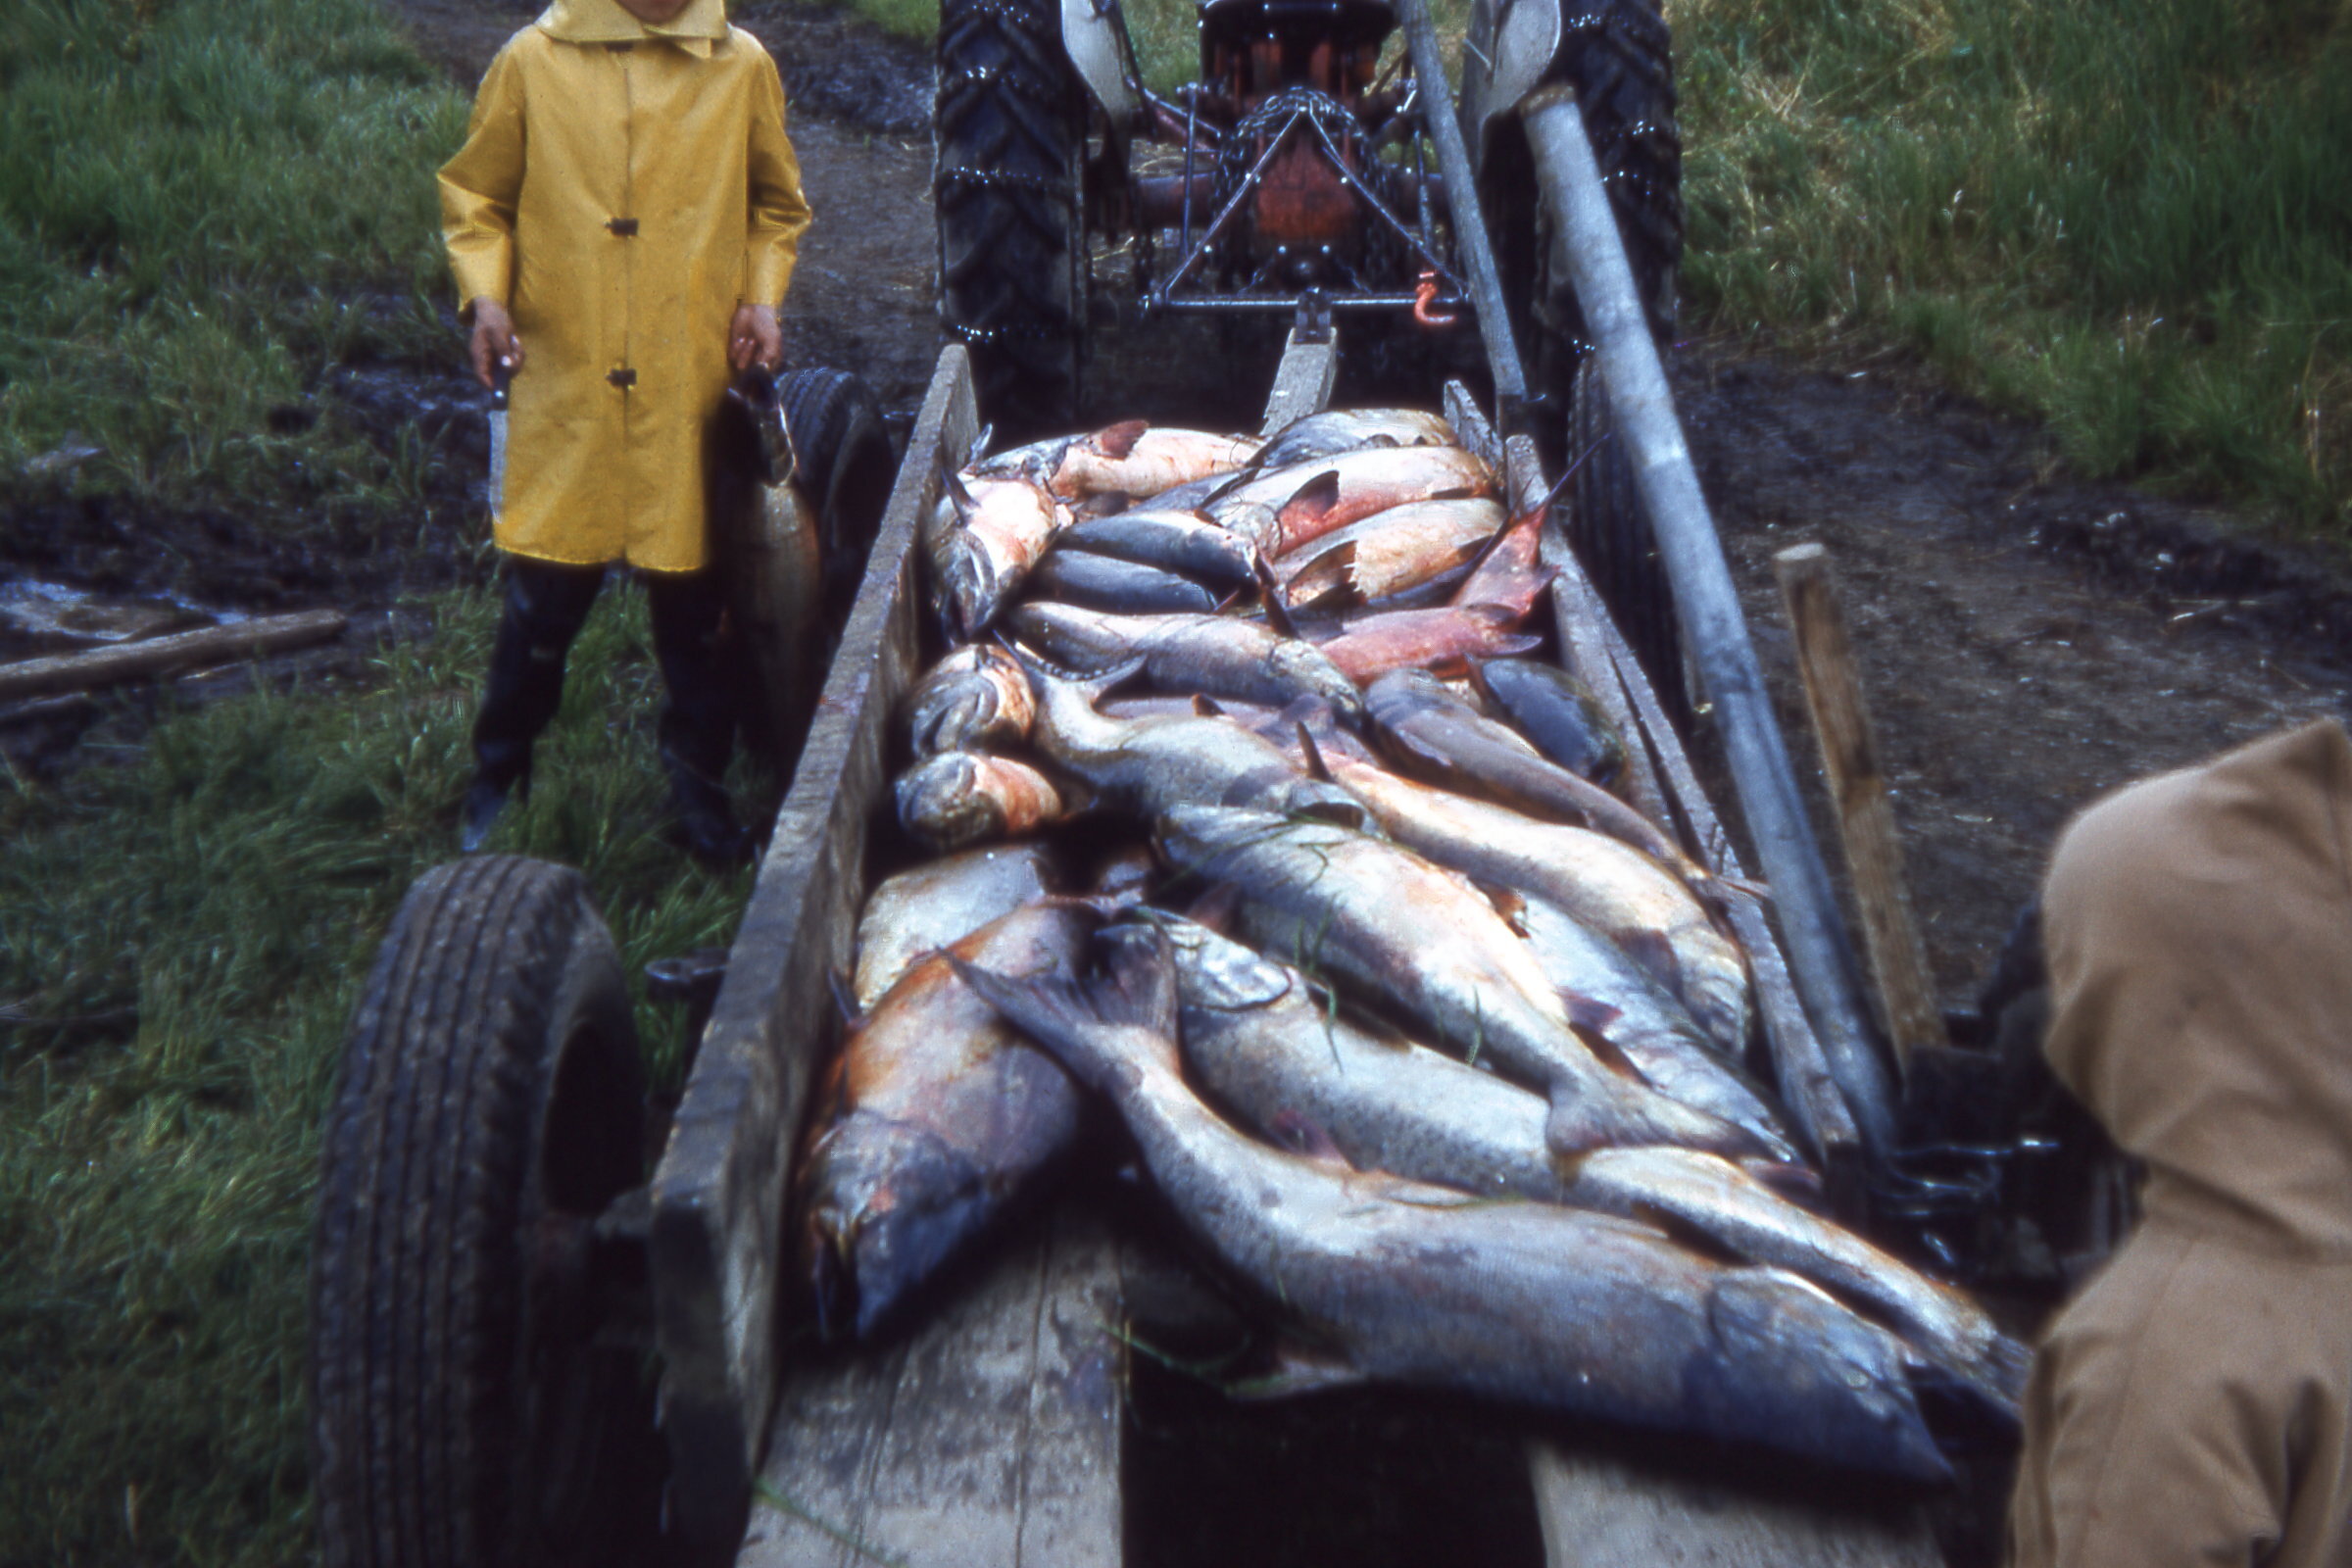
point(2027, 641)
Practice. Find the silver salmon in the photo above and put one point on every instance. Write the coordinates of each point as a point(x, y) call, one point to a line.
point(1400, 932)
point(921, 910)
point(1556, 711)
point(1174, 541)
point(943, 1116)
point(1335, 430)
point(1149, 765)
point(1121, 587)
point(1261, 1043)
point(976, 696)
point(1388, 553)
point(1286, 507)
point(1214, 655)
point(960, 798)
point(985, 536)
point(1612, 888)
point(1558, 1308)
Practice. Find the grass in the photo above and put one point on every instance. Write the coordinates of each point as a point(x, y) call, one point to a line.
point(212, 908)
point(2127, 219)
point(185, 249)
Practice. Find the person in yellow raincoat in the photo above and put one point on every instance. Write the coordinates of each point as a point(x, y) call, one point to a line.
point(2193, 1404)
point(622, 221)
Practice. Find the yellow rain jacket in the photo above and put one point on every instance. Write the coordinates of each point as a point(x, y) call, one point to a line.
point(622, 188)
point(2193, 1404)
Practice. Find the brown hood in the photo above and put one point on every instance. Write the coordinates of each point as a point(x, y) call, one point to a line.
point(2199, 927)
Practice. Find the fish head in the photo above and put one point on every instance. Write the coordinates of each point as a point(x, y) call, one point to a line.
point(896, 1201)
point(945, 801)
point(1215, 973)
point(968, 581)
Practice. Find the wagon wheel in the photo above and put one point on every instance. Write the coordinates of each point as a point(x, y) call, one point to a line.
point(464, 1410)
point(1009, 126)
point(846, 473)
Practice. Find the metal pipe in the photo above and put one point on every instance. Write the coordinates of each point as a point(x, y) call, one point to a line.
point(1708, 607)
point(1469, 220)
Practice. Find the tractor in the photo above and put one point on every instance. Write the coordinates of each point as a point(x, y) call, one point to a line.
point(1295, 180)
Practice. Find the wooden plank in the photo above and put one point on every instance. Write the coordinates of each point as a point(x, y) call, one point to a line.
point(1605, 1511)
point(1849, 756)
point(718, 1192)
point(1303, 382)
point(163, 655)
point(989, 1438)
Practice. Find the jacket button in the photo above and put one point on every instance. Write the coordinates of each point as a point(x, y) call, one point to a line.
point(625, 228)
point(624, 379)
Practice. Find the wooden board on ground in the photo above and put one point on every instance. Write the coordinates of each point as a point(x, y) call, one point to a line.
point(987, 1439)
point(718, 1193)
point(1604, 1511)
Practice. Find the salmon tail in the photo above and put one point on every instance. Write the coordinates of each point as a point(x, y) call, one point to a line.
point(1316, 766)
point(957, 493)
point(1094, 1027)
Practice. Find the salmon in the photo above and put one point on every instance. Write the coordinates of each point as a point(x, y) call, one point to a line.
point(976, 696)
point(921, 910)
point(1612, 888)
point(1554, 710)
point(1282, 509)
point(1258, 1040)
point(1120, 587)
point(1391, 552)
point(1133, 458)
point(986, 536)
point(1174, 541)
point(1403, 1282)
point(946, 1116)
point(1395, 931)
point(960, 798)
point(1335, 430)
point(1443, 640)
point(1212, 655)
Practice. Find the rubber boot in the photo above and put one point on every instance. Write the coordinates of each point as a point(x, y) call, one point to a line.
point(699, 712)
point(546, 606)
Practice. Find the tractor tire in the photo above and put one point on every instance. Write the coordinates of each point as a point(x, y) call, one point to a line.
point(1008, 126)
point(1610, 529)
point(847, 468)
point(462, 1412)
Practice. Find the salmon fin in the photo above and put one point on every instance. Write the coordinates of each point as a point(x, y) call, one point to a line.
point(1589, 1013)
point(1509, 903)
point(1298, 1369)
point(1692, 1238)
point(1304, 1137)
point(1213, 911)
point(1118, 440)
point(1278, 614)
point(1319, 495)
point(1604, 1049)
point(1478, 684)
point(844, 997)
point(1316, 766)
point(958, 492)
point(1654, 952)
point(1799, 1183)
point(980, 445)
point(1067, 1017)
point(1206, 707)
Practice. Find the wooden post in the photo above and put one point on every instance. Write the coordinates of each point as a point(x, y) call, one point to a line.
point(1303, 380)
point(1849, 754)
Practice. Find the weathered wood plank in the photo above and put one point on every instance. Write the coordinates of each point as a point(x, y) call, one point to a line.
point(718, 1192)
point(163, 655)
point(1303, 382)
point(990, 1439)
point(1849, 757)
point(1602, 1511)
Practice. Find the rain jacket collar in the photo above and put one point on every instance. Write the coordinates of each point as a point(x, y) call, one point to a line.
point(694, 29)
point(2200, 941)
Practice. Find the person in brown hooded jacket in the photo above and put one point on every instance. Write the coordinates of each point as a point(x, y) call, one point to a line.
point(2191, 1405)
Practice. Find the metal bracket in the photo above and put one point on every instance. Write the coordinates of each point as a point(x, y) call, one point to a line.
point(1312, 324)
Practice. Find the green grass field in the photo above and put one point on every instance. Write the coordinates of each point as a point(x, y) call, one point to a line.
point(207, 912)
point(204, 206)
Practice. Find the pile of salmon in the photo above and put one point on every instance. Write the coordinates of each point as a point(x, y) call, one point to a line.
point(1248, 816)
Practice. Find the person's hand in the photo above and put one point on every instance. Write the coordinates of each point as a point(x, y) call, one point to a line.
point(756, 338)
point(494, 340)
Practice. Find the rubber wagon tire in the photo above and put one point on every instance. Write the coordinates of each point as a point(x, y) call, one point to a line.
point(1008, 127)
point(491, 1106)
point(847, 470)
